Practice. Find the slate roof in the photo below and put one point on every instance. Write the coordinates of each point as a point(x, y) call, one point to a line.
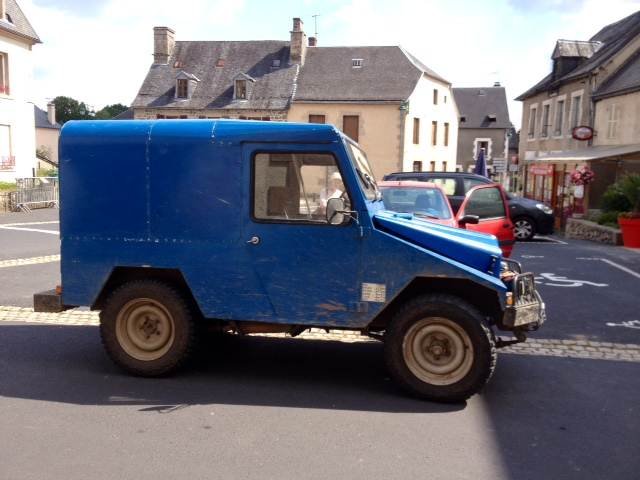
point(272, 88)
point(478, 104)
point(385, 74)
point(625, 80)
point(19, 25)
point(42, 119)
point(612, 37)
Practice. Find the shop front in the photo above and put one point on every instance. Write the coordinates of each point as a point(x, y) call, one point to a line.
point(548, 179)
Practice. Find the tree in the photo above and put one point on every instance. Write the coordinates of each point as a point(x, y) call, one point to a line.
point(70, 109)
point(111, 111)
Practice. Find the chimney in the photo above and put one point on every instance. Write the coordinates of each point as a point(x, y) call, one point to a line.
point(51, 113)
point(497, 84)
point(298, 42)
point(163, 44)
point(3, 10)
point(313, 42)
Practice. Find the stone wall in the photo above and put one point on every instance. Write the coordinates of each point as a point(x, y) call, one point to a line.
point(579, 229)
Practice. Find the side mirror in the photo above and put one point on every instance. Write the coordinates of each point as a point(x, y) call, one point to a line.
point(469, 219)
point(335, 211)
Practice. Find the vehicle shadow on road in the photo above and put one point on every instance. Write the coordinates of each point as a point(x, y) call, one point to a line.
point(68, 364)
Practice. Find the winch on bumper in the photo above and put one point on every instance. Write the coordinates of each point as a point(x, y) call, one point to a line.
point(525, 310)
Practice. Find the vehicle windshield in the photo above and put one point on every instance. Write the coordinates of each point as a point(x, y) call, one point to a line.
point(422, 202)
point(365, 174)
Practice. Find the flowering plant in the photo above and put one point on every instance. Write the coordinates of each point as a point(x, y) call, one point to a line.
point(583, 176)
point(635, 215)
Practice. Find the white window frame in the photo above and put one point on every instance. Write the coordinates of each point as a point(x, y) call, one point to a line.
point(612, 120)
point(4, 74)
point(576, 109)
point(544, 119)
point(559, 117)
point(533, 112)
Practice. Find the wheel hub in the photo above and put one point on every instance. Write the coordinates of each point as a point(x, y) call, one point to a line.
point(150, 326)
point(438, 348)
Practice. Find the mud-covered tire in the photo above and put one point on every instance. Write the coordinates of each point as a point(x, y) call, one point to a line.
point(148, 328)
point(440, 348)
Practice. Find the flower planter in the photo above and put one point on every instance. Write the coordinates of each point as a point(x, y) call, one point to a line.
point(630, 228)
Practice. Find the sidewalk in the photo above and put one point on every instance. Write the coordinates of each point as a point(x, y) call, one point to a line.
point(35, 216)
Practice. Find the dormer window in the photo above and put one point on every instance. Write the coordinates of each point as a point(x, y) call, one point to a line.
point(185, 84)
point(242, 84)
point(492, 118)
point(182, 88)
point(241, 89)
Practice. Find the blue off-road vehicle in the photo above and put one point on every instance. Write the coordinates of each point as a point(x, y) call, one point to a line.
point(167, 226)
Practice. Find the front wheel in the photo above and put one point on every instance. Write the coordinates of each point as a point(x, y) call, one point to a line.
point(147, 328)
point(440, 348)
point(524, 229)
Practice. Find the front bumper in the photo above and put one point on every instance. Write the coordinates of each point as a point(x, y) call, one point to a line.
point(527, 310)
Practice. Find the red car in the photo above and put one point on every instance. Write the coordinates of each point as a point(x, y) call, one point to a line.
point(484, 208)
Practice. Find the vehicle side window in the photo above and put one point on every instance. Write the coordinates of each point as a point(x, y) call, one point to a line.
point(447, 184)
point(485, 203)
point(469, 183)
point(295, 186)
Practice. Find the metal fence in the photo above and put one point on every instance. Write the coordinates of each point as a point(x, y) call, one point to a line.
point(36, 192)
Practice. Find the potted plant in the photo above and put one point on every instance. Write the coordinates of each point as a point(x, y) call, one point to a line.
point(579, 178)
point(630, 221)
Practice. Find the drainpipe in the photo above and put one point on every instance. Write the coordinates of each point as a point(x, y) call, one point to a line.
point(404, 110)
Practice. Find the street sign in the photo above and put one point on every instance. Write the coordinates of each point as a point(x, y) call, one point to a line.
point(500, 165)
point(513, 168)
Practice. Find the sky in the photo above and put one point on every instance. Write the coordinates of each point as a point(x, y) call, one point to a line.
point(99, 52)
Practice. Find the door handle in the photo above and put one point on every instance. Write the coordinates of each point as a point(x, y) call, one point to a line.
point(254, 240)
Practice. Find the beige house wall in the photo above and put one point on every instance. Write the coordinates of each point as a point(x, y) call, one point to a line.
point(48, 138)
point(558, 137)
point(16, 111)
point(386, 131)
point(617, 120)
point(378, 133)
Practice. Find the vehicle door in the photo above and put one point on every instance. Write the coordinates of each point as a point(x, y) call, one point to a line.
point(451, 188)
point(489, 204)
point(308, 268)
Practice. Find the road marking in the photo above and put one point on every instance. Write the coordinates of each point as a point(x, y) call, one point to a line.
point(629, 324)
point(624, 269)
point(533, 346)
point(54, 232)
point(565, 282)
point(29, 261)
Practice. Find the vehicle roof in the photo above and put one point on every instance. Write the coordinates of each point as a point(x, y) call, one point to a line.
point(408, 183)
point(440, 174)
point(219, 131)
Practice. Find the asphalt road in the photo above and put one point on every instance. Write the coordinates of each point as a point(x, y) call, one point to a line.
point(261, 407)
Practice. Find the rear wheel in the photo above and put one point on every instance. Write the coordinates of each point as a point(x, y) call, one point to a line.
point(147, 327)
point(440, 348)
point(524, 228)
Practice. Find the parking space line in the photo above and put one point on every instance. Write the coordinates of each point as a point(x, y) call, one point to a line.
point(624, 269)
point(29, 261)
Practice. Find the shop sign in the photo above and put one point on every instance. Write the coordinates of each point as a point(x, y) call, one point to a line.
point(582, 133)
point(546, 169)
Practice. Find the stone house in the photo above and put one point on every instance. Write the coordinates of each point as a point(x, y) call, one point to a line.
point(398, 110)
point(583, 114)
point(17, 131)
point(484, 123)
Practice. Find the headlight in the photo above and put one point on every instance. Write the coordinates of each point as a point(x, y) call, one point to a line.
point(544, 208)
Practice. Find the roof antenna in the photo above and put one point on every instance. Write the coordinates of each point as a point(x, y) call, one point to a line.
point(315, 18)
point(497, 82)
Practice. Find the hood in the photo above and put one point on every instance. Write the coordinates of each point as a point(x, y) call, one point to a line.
point(476, 250)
